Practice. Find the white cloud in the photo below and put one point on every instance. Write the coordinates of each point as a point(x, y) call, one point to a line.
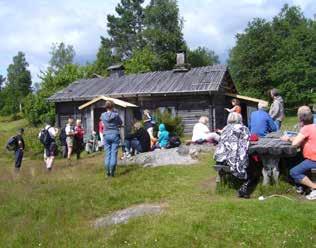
point(32, 26)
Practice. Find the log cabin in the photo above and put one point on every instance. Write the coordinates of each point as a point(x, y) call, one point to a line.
point(188, 93)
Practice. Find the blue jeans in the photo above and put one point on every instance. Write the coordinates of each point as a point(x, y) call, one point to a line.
point(111, 144)
point(297, 173)
point(133, 144)
point(277, 124)
point(18, 158)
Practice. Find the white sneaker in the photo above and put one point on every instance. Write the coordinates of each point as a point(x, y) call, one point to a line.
point(312, 195)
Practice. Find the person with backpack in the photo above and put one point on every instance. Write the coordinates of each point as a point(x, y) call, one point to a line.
point(63, 142)
point(47, 137)
point(16, 144)
point(78, 138)
point(70, 133)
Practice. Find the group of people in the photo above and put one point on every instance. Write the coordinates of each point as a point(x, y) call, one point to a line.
point(234, 140)
point(140, 140)
point(71, 139)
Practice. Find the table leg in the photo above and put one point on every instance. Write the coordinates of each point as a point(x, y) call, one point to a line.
point(270, 169)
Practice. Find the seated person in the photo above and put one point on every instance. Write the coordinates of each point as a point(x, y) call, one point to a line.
point(261, 122)
point(201, 132)
point(92, 143)
point(163, 137)
point(139, 141)
point(306, 139)
point(232, 150)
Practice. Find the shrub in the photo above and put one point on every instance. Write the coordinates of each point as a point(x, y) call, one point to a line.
point(173, 123)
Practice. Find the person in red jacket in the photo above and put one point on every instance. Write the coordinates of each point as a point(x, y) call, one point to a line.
point(79, 133)
point(101, 129)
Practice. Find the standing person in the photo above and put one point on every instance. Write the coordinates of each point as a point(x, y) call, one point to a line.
point(236, 106)
point(101, 129)
point(70, 133)
point(149, 123)
point(50, 146)
point(78, 138)
point(261, 122)
point(63, 142)
point(19, 149)
point(306, 139)
point(277, 108)
point(112, 123)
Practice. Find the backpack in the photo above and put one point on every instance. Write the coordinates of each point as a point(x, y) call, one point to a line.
point(44, 137)
point(174, 141)
point(12, 144)
point(63, 136)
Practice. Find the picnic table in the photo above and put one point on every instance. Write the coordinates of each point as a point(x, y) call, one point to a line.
point(271, 149)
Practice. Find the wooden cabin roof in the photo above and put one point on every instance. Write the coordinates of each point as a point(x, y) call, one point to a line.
point(200, 79)
point(118, 102)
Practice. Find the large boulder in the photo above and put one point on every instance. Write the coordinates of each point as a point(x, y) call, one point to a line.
point(183, 155)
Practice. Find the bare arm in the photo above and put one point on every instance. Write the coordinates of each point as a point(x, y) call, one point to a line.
point(296, 141)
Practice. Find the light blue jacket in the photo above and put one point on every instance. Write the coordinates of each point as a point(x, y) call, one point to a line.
point(163, 136)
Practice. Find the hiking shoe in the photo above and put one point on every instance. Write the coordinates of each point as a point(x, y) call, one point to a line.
point(312, 195)
point(299, 190)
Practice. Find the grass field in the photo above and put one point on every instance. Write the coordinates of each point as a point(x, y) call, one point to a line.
point(40, 209)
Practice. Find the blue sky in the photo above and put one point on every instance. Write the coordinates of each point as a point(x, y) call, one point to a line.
point(32, 26)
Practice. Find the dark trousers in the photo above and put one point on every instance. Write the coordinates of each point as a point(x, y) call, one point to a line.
point(78, 147)
point(133, 144)
point(18, 158)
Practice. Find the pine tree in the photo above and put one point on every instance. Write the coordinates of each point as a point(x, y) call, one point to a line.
point(163, 31)
point(126, 29)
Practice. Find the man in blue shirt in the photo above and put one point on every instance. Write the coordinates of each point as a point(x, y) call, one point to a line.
point(261, 122)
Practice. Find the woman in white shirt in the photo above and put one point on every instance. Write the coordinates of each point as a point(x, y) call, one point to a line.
point(201, 132)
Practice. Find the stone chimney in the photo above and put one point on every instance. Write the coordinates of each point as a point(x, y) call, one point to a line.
point(181, 65)
point(116, 70)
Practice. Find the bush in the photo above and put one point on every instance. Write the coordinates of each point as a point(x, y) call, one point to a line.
point(37, 111)
point(173, 123)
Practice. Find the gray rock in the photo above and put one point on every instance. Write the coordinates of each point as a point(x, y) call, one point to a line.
point(122, 216)
point(183, 155)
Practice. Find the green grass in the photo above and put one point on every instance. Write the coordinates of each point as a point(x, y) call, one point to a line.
point(38, 209)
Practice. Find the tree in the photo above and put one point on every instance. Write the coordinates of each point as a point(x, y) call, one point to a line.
point(36, 109)
point(202, 57)
point(163, 32)
point(61, 55)
point(2, 81)
point(281, 54)
point(141, 61)
point(18, 86)
point(126, 28)
point(105, 57)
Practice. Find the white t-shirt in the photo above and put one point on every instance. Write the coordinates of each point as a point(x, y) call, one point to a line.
point(51, 130)
point(200, 131)
point(69, 129)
